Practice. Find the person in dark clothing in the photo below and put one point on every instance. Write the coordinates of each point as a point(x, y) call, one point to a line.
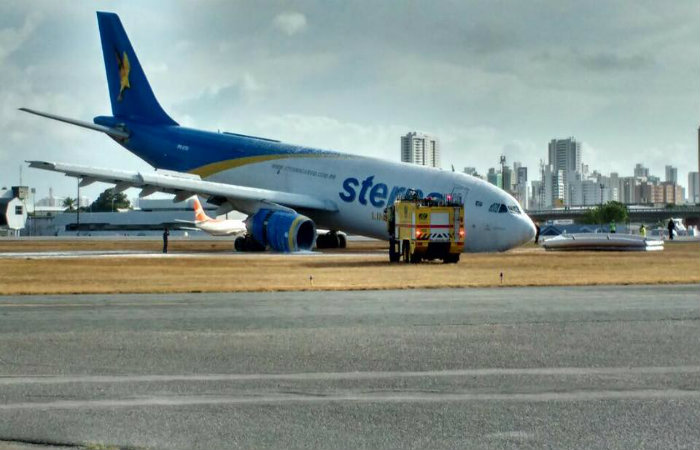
point(166, 233)
point(537, 233)
point(671, 228)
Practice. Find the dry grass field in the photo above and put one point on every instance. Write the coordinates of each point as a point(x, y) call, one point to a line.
point(363, 266)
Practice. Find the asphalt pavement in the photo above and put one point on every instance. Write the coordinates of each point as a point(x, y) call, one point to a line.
point(561, 367)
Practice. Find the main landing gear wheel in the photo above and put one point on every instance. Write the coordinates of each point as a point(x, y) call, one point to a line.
point(247, 244)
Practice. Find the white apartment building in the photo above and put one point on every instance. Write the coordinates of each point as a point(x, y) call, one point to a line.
point(421, 149)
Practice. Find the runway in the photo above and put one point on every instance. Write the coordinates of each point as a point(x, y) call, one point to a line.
point(562, 367)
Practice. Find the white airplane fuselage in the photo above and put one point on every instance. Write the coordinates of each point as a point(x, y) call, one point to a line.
point(361, 188)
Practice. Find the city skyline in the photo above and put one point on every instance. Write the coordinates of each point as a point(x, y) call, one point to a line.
point(488, 81)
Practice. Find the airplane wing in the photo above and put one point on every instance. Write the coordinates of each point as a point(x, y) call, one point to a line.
point(184, 185)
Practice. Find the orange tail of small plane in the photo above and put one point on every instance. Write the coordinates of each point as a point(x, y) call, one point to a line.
point(199, 214)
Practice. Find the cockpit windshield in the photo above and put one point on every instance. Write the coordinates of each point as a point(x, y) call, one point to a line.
point(501, 208)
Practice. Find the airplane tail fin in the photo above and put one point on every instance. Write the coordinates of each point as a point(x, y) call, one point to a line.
point(199, 214)
point(129, 91)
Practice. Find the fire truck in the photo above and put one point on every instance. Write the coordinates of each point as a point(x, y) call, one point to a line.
point(425, 228)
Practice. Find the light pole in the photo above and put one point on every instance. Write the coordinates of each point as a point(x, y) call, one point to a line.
point(600, 212)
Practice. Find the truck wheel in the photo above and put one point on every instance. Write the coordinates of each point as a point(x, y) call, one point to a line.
point(451, 259)
point(406, 252)
point(239, 244)
point(394, 256)
point(415, 259)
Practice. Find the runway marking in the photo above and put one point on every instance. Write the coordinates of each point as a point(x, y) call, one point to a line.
point(643, 394)
point(145, 254)
point(542, 371)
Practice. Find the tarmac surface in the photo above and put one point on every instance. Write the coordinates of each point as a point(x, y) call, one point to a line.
point(561, 367)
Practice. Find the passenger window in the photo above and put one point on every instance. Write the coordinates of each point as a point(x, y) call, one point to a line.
point(503, 209)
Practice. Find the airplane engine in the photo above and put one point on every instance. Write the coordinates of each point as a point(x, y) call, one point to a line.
point(283, 231)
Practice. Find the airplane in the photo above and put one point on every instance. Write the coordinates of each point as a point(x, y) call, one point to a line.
point(286, 190)
point(214, 227)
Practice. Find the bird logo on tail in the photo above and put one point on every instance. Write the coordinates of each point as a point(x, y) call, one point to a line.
point(124, 69)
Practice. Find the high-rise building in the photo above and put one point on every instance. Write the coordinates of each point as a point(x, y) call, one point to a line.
point(494, 177)
point(671, 175)
point(694, 187)
point(472, 171)
point(421, 149)
point(640, 171)
point(565, 156)
point(521, 175)
point(507, 178)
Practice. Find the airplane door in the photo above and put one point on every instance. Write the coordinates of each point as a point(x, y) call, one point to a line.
point(459, 191)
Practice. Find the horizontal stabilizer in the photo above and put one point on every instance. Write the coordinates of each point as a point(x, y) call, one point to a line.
point(114, 132)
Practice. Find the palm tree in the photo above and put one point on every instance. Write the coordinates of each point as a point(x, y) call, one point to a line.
point(69, 203)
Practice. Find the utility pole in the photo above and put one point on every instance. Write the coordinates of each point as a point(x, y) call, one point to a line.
point(77, 209)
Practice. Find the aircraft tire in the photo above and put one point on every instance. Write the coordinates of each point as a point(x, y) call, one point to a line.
point(342, 241)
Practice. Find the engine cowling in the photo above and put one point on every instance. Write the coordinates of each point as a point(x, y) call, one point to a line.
point(283, 231)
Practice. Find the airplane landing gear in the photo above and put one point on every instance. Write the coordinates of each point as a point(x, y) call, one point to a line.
point(332, 239)
point(247, 244)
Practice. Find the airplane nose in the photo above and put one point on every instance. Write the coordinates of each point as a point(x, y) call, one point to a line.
point(530, 229)
point(526, 230)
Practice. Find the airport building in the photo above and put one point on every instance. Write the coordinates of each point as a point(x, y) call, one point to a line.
point(149, 219)
point(421, 149)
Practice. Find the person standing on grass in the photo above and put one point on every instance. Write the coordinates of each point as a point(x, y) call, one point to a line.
point(166, 233)
point(671, 228)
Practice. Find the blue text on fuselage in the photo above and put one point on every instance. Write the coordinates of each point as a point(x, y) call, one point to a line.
point(375, 194)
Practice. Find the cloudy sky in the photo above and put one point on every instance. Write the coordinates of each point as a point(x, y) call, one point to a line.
point(486, 77)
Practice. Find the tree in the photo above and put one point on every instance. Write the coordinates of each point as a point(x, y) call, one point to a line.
point(607, 213)
point(69, 203)
point(109, 200)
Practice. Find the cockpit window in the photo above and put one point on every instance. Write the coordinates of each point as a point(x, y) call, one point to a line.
point(514, 209)
point(503, 208)
point(494, 207)
point(478, 203)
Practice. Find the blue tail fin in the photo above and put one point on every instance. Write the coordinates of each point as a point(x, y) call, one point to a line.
point(129, 91)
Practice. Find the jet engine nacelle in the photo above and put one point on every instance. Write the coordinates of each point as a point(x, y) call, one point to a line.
point(283, 231)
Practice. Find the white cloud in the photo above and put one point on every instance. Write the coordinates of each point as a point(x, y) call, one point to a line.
point(12, 39)
point(290, 23)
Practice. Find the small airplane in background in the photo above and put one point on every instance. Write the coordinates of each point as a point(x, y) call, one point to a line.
point(215, 227)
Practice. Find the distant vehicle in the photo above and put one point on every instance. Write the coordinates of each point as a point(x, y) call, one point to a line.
point(680, 229)
point(286, 190)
